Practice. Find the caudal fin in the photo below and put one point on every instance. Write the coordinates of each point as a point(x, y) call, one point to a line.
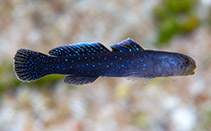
point(28, 65)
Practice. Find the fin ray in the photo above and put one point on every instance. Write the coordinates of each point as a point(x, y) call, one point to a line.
point(79, 80)
point(78, 49)
point(127, 45)
point(22, 65)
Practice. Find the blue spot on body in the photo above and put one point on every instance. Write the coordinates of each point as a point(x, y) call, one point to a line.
point(104, 58)
point(144, 65)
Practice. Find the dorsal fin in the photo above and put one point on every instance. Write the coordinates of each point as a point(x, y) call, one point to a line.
point(78, 49)
point(127, 45)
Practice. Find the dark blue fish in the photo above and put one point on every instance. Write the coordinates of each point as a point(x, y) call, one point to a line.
point(85, 62)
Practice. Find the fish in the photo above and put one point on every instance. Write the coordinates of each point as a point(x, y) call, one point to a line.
point(83, 63)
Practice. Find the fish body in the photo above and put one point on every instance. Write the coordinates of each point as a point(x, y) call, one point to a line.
point(84, 63)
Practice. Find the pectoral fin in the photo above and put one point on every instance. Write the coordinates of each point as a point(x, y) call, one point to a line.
point(79, 80)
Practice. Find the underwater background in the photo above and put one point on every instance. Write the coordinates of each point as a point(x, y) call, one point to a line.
point(108, 104)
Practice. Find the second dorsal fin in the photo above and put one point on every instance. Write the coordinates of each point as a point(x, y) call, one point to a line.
point(78, 49)
point(127, 45)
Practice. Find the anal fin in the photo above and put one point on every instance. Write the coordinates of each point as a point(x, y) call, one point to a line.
point(79, 80)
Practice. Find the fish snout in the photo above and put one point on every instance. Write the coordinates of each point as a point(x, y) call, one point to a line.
point(190, 70)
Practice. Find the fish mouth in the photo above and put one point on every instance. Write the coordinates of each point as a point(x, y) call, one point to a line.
point(192, 71)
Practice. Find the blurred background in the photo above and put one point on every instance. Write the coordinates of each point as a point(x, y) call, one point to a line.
point(108, 104)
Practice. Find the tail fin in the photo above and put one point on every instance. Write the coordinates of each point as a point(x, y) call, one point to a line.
point(28, 65)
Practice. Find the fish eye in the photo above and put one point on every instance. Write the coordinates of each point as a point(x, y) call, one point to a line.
point(185, 61)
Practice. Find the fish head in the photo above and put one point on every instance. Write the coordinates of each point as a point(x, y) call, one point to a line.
point(183, 65)
point(188, 65)
point(175, 64)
